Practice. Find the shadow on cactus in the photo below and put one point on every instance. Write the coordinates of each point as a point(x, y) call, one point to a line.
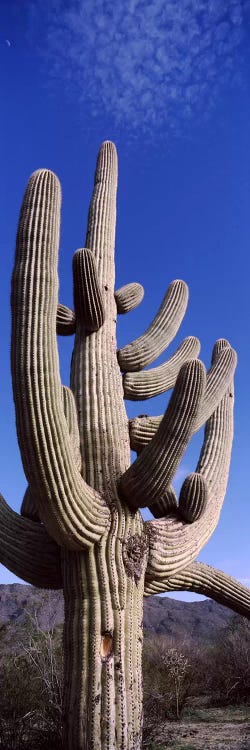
point(80, 527)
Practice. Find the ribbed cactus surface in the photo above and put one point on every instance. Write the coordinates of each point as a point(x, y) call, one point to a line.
point(80, 527)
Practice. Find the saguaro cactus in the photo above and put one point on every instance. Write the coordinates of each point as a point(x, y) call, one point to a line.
point(80, 527)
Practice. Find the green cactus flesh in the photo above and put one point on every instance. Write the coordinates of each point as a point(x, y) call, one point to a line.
point(80, 527)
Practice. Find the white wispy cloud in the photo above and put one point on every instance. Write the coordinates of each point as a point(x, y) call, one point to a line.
point(147, 64)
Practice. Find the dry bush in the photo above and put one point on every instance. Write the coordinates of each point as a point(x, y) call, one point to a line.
point(31, 691)
point(230, 665)
point(166, 679)
point(17, 703)
point(43, 653)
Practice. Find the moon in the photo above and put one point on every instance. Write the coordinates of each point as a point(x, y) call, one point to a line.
point(8, 42)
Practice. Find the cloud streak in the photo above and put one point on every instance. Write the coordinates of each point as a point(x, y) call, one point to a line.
point(148, 65)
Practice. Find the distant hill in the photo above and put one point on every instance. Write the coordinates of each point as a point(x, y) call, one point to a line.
point(200, 621)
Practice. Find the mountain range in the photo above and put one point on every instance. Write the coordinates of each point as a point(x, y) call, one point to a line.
point(201, 621)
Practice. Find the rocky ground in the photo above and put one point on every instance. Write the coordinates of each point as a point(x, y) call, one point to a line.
point(208, 729)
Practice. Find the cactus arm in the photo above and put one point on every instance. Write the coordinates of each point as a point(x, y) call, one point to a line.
point(27, 549)
point(73, 513)
point(87, 291)
point(187, 539)
point(192, 501)
point(224, 359)
point(148, 477)
point(206, 580)
point(95, 374)
point(193, 497)
point(128, 297)
point(145, 349)
point(142, 429)
point(220, 375)
point(166, 504)
point(28, 507)
point(65, 321)
point(69, 408)
point(140, 386)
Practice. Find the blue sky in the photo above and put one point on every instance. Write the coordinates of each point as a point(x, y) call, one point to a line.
point(169, 83)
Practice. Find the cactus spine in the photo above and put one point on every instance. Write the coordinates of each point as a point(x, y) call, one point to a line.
point(80, 527)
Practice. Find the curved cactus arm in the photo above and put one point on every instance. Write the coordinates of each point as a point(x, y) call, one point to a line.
point(65, 321)
point(206, 580)
point(141, 431)
point(28, 507)
point(140, 386)
point(27, 550)
point(69, 408)
point(73, 513)
point(148, 477)
point(87, 292)
point(166, 504)
point(193, 497)
point(192, 501)
point(128, 297)
point(187, 539)
point(145, 349)
point(219, 376)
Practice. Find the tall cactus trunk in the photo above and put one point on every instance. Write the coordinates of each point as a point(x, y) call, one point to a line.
point(102, 708)
point(75, 446)
point(103, 588)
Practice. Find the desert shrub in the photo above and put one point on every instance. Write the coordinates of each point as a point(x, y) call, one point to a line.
point(230, 665)
point(43, 652)
point(166, 679)
point(31, 691)
point(17, 703)
point(16, 687)
point(202, 658)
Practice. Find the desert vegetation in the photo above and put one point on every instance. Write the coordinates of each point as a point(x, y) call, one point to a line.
point(31, 688)
point(186, 684)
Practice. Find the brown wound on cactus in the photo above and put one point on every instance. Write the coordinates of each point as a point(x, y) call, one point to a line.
point(106, 646)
